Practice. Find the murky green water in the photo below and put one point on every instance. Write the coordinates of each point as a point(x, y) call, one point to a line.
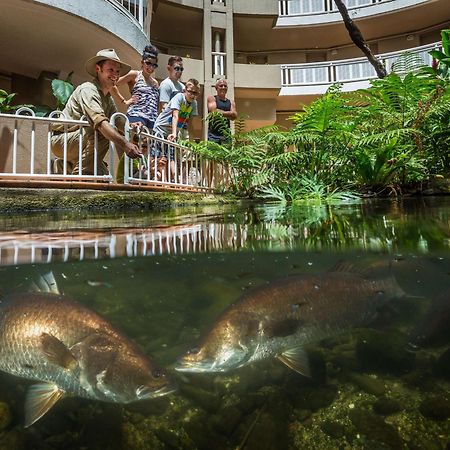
point(164, 279)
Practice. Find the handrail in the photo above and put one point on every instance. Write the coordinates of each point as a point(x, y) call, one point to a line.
point(136, 10)
point(345, 70)
point(30, 143)
point(292, 8)
point(163, 162)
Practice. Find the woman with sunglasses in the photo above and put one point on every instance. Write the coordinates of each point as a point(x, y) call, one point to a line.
point(144, 89)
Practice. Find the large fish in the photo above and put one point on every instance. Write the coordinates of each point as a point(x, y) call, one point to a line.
point(279, 318)
point(70, 349)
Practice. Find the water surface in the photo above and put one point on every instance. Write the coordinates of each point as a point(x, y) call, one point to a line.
point(164, 278)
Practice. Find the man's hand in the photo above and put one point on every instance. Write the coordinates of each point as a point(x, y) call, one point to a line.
point(172, 137)
point(132, 150)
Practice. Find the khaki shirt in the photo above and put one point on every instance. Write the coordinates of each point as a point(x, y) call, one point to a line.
point(89, 101)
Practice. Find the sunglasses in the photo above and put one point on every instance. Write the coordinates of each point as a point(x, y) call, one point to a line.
point(178, 69)
point(192, 92)
point(149, 63)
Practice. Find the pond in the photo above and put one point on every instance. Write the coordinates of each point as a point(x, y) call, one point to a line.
point(306, 327)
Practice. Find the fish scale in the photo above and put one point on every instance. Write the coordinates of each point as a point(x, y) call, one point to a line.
point(277, 319)
point(71, 349)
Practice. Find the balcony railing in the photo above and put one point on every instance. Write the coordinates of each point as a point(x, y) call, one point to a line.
point(26, 143)
point(348, 70)
point(136, 10)
point(305, 7)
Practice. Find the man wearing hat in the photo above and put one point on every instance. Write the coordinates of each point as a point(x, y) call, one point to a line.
point(92, 101)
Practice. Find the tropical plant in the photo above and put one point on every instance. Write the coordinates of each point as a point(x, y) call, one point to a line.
point(301, 189)
point(242, 156)
point(62, 90)
point(443, 57)
point(6, 102)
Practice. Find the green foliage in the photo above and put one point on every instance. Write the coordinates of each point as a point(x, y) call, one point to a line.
point(306, 189)
point(443, 57)
point(62, 90)
point(381, 139)
point(5, 103)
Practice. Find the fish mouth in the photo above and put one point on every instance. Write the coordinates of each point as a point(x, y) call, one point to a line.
point(147, 392)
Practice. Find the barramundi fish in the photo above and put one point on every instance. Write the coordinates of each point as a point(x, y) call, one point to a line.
point(277, 319)
point(71, 349)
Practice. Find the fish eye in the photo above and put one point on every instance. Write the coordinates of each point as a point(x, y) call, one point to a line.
point(157, 373)
point(193, 351)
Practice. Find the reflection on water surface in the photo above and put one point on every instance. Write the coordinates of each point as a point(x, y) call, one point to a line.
point(165, 279)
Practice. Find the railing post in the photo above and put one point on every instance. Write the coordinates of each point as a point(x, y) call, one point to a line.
point(112, 147)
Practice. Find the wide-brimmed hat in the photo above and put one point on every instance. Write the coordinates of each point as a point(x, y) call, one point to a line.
point(102, 55)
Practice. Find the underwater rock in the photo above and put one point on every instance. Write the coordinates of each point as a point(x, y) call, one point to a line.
point(251, 401)
point(313, 398)
point(436, 408)
point(386, 406)
point(202, 435)
point(384, 352)
point(140, 437)
point(14, 439)
point(206, 400)
point(442, 366)
point(5, 416)
point(226, 420)
point(264, 431)
point(172, 440)
point(375, 429)
point(333, 429)
point(368, 383)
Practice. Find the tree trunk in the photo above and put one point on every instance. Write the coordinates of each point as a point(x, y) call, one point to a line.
point(358, 39)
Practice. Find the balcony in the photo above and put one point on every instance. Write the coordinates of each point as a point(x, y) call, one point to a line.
point(316, 78)
point(313, 12)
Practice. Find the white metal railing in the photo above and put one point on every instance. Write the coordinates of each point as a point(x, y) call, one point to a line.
point(307, 7)
point(27, 147)
point(347, 70)
point(28, 153)
point(218, 61)
point(135, 10)
point(165, 163)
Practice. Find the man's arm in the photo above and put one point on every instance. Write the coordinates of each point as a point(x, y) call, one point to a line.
point(173, 136)
point(232, 113)
point(122, 145)
point(211, 102)
point(212, 106)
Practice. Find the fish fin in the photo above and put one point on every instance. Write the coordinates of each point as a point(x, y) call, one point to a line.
point(296, 359)
point(40, 398)
point(56, 352)
point(45, 283)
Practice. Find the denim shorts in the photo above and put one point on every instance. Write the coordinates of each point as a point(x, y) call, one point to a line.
point(159, 150)
point(146, 122)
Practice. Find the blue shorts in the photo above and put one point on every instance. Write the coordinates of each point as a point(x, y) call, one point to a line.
point(217, 138)
point(146, 122)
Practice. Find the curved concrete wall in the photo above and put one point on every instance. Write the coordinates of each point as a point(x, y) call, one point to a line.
point(104, 14)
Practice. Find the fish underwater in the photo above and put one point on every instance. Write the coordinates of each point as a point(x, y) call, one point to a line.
point(434, 328)
point(277, 319)
point(71, 349)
